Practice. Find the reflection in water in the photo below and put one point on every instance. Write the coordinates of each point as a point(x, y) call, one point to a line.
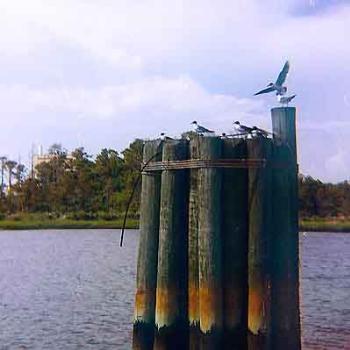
point(66, 289)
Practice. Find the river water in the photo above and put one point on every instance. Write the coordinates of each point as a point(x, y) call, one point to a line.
point(73, 289)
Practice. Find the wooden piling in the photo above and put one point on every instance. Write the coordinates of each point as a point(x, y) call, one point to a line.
point(285, 263)
point(260, 226)
point(218, 252)
point(209, 246)
point(235, 244)
point(146, 279)
point(193, 272)
point(171, 295)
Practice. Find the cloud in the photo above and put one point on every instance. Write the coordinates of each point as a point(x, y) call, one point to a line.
point(82, 67)
point(143, 108)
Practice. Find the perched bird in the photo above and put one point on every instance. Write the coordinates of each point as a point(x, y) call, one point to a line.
point(200, 130)
point(278, 85)
point(260, 132)
point(242, 129)
point(284, 100)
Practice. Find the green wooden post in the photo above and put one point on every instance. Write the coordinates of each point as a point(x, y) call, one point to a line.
point(235, 245)
point(285, 264)
point(209, 245)
point(171, 295)
point(146, 280)
point(193, 272)
point(260, 226)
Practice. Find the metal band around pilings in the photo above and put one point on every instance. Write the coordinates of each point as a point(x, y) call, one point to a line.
point(217, 163)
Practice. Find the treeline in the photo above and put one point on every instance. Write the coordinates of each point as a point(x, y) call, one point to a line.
point(325, 200)
point(83, 187)
point(75, 184)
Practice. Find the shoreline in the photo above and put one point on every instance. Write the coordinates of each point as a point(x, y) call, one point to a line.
point(60, 224)
point(324, 226)
point(305, 225)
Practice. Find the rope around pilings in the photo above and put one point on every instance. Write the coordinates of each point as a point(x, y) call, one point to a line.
point(150, 166)
point(216, 163)
point(136, 182)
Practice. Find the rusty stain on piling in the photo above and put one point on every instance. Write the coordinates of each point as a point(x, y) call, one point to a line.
point(210, 307)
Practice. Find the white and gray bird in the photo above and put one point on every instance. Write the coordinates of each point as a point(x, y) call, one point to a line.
point(284, 100)
point(278, 85)
point(201, 130)
point(242, 129)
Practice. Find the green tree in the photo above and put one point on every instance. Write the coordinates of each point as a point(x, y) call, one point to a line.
point(133, 156)
point(108, 170)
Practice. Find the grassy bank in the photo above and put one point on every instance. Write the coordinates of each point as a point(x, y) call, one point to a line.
point(65, 224)
point(36, 222)
point(324, 225)
point(39, 222)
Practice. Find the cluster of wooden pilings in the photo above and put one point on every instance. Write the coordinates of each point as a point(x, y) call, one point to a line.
point(218, 253)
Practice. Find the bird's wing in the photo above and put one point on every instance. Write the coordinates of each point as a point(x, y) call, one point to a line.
point(283, 75)
point(246, 128)
point(265, 91)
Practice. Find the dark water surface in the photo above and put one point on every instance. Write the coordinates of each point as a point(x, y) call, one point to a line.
point(325, 290)
point(73, 289)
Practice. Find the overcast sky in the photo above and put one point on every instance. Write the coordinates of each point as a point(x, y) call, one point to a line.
point(101, 73)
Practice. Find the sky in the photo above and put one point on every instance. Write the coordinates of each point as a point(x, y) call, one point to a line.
point(101, 73)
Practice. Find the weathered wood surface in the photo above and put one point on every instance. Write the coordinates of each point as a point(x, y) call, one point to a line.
point(285, 289)
point(234, 196)
point(193, 268)
point(210, 245)
point(146, 278)
point(260, 227)
point(218, 255)
point(171, 295)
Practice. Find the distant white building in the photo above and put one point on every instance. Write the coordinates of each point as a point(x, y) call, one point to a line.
point(45, 158)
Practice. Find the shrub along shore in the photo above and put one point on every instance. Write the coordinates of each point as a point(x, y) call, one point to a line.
point(325, 225)
point(66, 224)
point(78, 190)
point(38, 222)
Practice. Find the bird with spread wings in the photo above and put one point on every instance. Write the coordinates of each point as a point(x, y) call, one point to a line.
point(278, 85)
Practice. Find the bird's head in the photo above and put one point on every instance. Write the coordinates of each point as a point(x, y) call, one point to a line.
point(162, 134)
point(254, 128)
point(194, 122)
point(237, 122)
point(269, 85)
